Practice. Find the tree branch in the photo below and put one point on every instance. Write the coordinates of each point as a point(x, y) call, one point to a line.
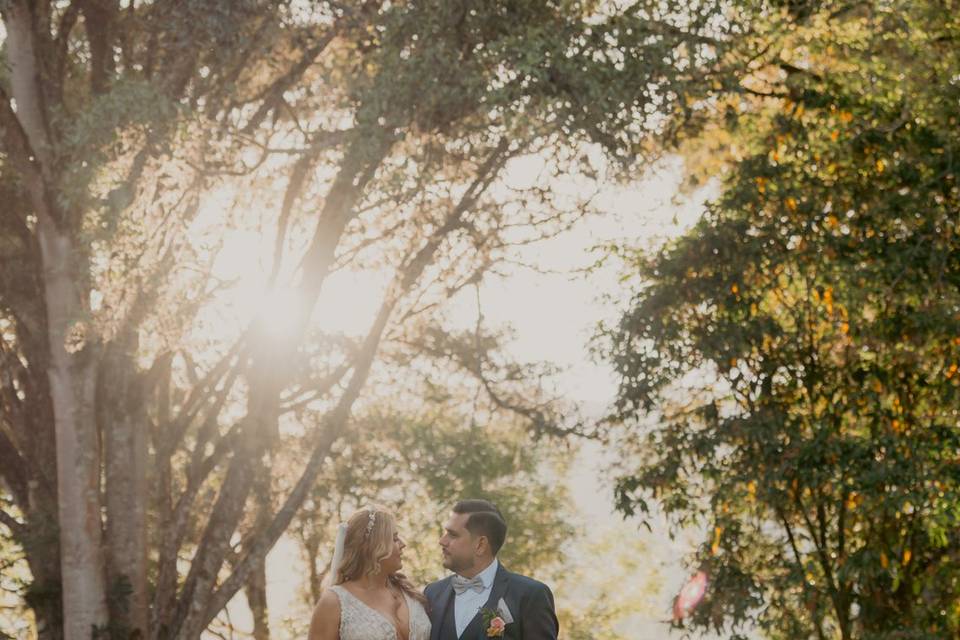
point(13, 469)
point(98, 21)
point(798, 558)
point(273, 94)
point(16, 528)
point(17, 145)
point(67, 22)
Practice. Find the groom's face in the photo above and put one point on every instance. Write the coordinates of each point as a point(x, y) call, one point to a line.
point(458, 545)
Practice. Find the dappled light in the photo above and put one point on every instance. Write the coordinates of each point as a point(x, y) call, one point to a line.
point(671, 288)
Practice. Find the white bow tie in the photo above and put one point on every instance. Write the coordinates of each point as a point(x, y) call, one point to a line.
point(461, 584)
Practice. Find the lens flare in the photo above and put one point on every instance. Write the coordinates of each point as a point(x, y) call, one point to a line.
point(690, 596)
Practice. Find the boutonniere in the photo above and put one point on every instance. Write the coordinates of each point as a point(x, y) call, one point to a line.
point(493, 622)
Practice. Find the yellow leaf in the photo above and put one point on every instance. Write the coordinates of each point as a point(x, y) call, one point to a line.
point(884, 561)
point(791, 204)
point(952, 370)
point(832, 222)
point(734, 288)
point(880, 166)
point(906, 556)
point(845, 327)
point(846, 116)
point(834, 135)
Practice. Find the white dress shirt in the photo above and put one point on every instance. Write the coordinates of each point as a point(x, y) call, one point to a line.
point(467, 604)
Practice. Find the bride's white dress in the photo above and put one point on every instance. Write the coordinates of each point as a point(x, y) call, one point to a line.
point(359, 621)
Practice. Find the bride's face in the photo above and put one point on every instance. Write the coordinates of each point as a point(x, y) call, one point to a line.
point(394, 562)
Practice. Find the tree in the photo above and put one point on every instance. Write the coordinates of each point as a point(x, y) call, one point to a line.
point(359, 135)
point(788, 368)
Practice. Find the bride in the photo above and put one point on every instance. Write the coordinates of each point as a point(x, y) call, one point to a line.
point(369, 599)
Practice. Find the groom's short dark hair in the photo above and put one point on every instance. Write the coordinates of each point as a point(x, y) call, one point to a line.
point(484, 519)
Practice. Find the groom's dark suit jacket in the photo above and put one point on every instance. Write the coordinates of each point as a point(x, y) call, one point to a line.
point(530, 603)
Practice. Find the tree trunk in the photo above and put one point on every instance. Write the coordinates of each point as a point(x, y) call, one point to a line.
point(125, 440)
point(71, 369)
point(311, 545)
point(256, 583)
point(72, 388)
point(42, 553)
point(256, 591)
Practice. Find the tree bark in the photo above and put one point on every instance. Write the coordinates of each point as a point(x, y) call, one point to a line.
point(42, 552)
point(256, 585)
point(125, 446)
point(72, 388)
point(71, 368)
point(256, 591)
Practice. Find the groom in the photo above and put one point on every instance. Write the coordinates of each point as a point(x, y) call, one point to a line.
point(482, 599)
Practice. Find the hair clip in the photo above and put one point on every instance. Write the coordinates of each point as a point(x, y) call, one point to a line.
point(373, 517)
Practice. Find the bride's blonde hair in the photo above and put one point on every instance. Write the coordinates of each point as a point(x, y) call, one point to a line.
point(369, 541)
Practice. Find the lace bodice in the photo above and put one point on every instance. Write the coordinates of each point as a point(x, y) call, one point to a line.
point(359, 621)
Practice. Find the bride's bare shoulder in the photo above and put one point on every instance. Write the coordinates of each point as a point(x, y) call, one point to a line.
point(325, 622)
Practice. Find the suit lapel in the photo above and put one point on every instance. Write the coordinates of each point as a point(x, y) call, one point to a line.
point(475, 628)
point(443, 601)
point(499, 587)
